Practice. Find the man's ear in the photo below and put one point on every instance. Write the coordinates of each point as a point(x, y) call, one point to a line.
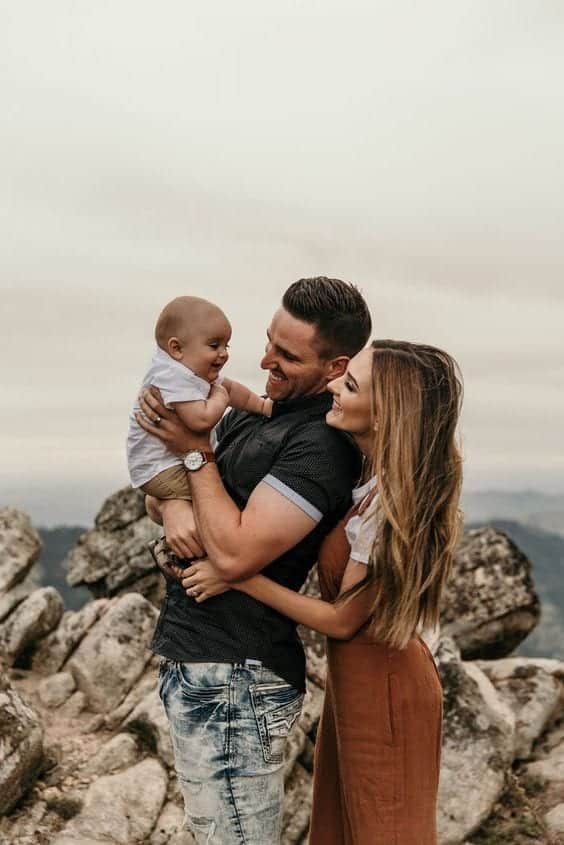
point(174, 348)
point(336, 367)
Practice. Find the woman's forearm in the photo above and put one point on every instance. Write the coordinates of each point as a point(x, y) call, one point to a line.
point(338, 621)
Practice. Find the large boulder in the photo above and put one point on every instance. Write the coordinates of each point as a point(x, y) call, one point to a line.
point(20, 547)
point(54, 649)
point(490, 604)
point(33, 619)
point(121, 808)
point(478, 746)
point(148, 720)
point(113, 556)
point(113, 654)
point(533, 688)
point(21, 746)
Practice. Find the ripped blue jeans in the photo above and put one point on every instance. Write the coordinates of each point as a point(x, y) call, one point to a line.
point(229, 723)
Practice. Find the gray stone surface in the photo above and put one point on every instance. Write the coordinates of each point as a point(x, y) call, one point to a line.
point(20, 547)
point(148, 720)
point(120, 752)
point(169, 829)
point(33, 619)
point(52, 651)
point(114, 653)
point(114, 554)
point(21, 746)
point(478, 745)
point(533, 688)
point(555, 819)
point(121, 808)
point(490, 604)
point(56, 689)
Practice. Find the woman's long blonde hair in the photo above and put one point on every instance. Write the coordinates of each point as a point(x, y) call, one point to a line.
point(416, 398)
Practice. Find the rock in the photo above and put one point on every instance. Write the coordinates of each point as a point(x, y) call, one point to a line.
point(478, 743)
point(121, 808)
point(532, 687)
point(297, 804)
point(11, 599)
point(74, 706)
point(21, 746)
point(169, 829)
point(56, 647)
point(555, 819)
point(490, 604)
point(35, 617)
point(93, 725)
point(118, 753)
point(114, 553)
point(114, 653)
point(142, 688)
point(55, 690)
point(20, 547)
point(549, 767)
point(149, 722)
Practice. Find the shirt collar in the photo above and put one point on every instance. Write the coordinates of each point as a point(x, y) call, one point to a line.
point(317, 404)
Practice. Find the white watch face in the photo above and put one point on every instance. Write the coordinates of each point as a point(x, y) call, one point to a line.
point(194, 460)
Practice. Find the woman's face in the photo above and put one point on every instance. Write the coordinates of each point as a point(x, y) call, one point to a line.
point(352, 399)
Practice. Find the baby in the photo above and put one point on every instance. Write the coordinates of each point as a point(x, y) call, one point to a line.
point(192, 341)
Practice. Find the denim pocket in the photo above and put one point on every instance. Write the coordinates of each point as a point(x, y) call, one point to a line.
point(196, 682)
point(276, 708)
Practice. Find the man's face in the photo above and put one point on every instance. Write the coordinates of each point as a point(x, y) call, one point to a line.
point(292, 357)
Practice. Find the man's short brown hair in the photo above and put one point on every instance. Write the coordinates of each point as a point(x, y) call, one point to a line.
point(337, 310)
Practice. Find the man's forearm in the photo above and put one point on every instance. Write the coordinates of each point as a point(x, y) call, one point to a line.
point(219, 520)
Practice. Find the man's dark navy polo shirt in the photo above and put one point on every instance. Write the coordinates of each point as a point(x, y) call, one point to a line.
point(314, 466)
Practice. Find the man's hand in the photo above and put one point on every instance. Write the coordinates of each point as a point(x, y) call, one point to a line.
point(201, 581)
point(180, 528)
point(163, 422)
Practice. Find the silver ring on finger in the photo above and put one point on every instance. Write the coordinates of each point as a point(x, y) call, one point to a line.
point(157, 420)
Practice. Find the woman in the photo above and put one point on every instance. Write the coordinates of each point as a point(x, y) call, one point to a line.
point(381, 573)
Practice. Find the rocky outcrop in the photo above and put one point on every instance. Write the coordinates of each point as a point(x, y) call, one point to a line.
point(21, 746)
point(113, 556)
point(117, 810)
point(478, 746)
point(95, 756)
point(114, 653)
point(532, 688)
point(490, 604)
point(36, 616)
point(20, 547)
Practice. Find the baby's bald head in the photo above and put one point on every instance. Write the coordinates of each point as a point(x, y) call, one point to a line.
point(185, 317)
point(195, 333)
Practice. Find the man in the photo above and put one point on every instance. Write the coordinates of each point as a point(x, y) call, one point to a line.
point(233, 673)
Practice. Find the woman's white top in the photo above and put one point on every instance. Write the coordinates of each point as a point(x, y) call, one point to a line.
point(147, 456)
point(361, 531)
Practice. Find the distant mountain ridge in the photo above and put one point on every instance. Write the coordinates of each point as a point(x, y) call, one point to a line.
point(57, 542)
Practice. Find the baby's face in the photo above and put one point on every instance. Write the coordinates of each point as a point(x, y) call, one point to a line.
point(206, 350)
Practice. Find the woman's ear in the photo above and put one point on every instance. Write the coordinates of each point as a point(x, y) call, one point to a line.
point(337, 367)
point(174, 348)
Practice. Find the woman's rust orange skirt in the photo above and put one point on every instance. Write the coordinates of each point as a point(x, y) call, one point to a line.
point(378, 746)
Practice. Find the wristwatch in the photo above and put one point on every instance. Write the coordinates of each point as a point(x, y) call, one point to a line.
point(195, 459)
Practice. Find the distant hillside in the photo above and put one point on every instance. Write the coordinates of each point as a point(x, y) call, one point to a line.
point(546, 552)
point(528, 507)
point(56, 543)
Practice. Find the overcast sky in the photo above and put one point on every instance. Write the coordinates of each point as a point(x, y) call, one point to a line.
point(225, 149)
